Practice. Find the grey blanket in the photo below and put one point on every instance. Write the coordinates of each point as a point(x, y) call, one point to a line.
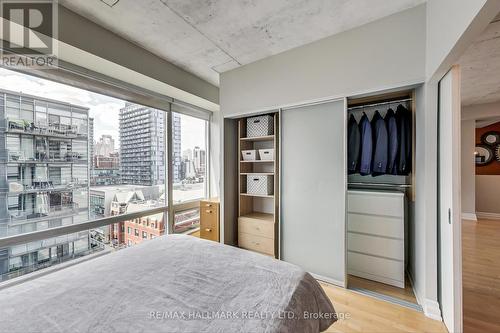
point(170, 284)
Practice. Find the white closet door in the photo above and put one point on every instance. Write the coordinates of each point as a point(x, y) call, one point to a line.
point(313, 189)
point(450, 255)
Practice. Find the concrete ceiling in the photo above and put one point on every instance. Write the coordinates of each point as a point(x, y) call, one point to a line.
point(207, 37)
point(481, 68)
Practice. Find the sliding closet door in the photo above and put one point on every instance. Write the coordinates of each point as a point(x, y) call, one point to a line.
point(313, 189)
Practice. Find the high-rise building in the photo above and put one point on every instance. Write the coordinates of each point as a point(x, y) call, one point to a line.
point(91, 142)
point(105, 146)
point(142, 145)
point(176, 147)
point(199, 161)
point(44, 177)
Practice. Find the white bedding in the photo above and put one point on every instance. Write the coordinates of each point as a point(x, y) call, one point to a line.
point(170, 284)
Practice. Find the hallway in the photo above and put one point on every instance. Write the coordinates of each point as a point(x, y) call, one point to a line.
point(481, 275)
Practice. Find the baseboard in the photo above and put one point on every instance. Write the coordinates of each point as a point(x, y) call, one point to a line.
point(488, 216)
point(432, 310)
point(469, 216)
point(415, 291)
point(329, 280)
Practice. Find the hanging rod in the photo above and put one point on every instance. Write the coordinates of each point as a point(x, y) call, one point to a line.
point(381, 184)
point(377, 104)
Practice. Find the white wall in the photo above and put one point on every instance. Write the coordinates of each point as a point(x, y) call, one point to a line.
point(383, 54)
point(488, 195)
point(468, 169)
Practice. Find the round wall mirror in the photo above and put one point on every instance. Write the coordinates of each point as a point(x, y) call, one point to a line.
point(484, 154)
point(491, 138)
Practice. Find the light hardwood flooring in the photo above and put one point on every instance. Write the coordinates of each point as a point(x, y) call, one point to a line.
point(481, 276)
point(367, 314)
point(405, 294)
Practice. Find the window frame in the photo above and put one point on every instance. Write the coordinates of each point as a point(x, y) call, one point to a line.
point(95, 82)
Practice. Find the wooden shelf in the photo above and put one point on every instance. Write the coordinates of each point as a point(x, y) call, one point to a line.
point(260, 216)
point(256, 195)
point(258, 161)
point(259, 138)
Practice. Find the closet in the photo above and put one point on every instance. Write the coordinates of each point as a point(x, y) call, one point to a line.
point(380, 178)
point(318, 210)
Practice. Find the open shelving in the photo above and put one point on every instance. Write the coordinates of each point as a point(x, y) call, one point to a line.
point(258, 210)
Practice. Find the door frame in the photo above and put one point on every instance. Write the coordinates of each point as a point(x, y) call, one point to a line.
point(456, 220)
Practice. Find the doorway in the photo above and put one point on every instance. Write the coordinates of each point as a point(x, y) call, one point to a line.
point(480, 181)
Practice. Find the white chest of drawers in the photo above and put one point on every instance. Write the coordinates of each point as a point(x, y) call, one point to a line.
point(376, 236)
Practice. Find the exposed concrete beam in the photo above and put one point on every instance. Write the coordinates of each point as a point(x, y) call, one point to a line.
point(85, 35)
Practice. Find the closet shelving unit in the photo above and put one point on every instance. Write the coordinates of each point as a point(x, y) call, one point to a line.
point(258, 215)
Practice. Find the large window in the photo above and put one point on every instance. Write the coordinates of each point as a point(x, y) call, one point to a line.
point(73, 156)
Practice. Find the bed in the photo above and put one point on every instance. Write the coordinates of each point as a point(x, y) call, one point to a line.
point(173, 283)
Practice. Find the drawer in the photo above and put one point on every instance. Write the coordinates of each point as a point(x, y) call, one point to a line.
point(387, 226)
point(376, 203)
point(378, 246)
point(378, 269)
point(256, 227)
point(209, 216)
point(256, 243)
point(210, 233)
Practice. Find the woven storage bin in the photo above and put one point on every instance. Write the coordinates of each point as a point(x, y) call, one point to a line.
point(260, 184)
point(266, 154)
point(260, 126)
point(249, 155)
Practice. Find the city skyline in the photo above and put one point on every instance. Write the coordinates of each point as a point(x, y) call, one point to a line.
point(102, 108)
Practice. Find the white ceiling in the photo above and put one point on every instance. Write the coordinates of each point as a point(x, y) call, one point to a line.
point(207, 37)
point(481, 68)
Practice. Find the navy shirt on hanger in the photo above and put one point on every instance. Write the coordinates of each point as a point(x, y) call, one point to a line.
point(392, 132)
point(380, 145)
point(405, 138)
point(353, 145)
point(365, 128)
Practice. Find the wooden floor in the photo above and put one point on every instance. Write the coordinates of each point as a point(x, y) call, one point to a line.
point(481, 276)
point(405, 294)
point(366, 314)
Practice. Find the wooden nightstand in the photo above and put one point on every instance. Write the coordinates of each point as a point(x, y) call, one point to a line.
point(209, 219)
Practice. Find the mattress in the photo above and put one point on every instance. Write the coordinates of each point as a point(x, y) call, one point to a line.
point(173, 283)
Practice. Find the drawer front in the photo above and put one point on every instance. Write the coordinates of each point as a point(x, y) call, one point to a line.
point(376, 225)
point(209, 216)
point(378, 246)
point(209, 233)
point(376, 203)
point(378, 269)
point(256, 227)
point(256, 243)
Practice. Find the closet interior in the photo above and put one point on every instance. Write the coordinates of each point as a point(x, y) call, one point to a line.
point(380, 195)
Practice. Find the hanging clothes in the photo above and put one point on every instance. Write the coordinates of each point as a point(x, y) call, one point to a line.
point(365, 129)
point(405, 139)
point(393, 136)
point(380, 145)
point(353, 145)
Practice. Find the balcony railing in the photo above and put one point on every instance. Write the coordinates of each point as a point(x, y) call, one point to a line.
point(50, 130)
point(17, 216)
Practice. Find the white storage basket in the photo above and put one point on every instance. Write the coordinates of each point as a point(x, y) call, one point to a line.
point(249, 155)
point(260, 185)
point(260, 126)
point(266, 154)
